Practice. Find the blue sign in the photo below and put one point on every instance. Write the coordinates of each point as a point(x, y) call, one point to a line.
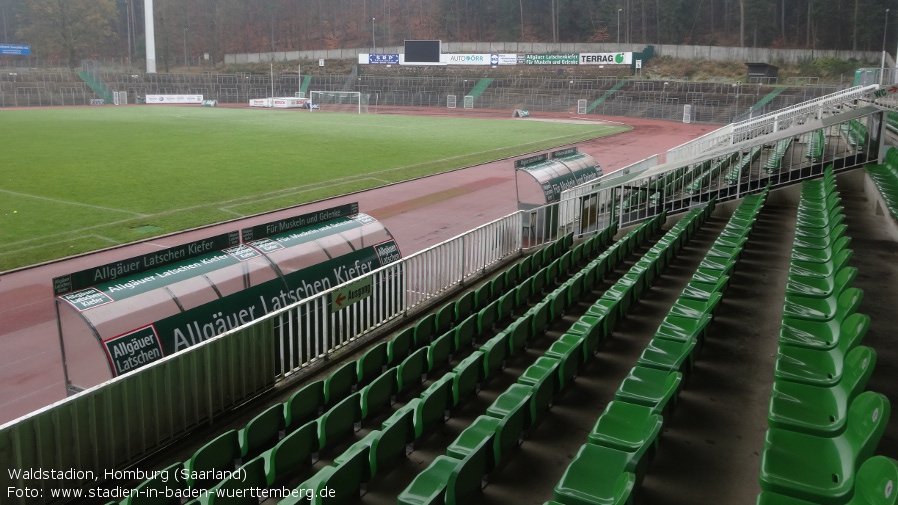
point(15, 49)
point(383, 59)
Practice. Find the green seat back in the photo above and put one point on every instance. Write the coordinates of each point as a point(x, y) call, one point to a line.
point(304, 405)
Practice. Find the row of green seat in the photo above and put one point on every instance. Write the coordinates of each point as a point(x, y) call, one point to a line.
point(885, 177)
point(707, 176)
point(610, 466)
point(427, 354)
point(485, 444)
point(855, 133)
point(733, 175)
point(298, 418)
point(816, 143)
point(823, 429)
point(775, 158)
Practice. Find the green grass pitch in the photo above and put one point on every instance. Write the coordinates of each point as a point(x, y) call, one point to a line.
point(81, 179)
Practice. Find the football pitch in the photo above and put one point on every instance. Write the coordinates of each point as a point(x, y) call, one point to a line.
point(81, 179)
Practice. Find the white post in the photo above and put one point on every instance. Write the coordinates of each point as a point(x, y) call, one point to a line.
point(299, 76)
point(150, 33)
point(272, 79)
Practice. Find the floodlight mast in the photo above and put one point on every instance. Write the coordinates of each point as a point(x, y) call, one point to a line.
point(150, 36)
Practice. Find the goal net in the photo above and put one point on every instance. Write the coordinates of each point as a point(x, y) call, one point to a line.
point(339, 101)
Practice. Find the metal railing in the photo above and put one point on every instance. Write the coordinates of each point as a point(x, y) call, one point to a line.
point(124, 420)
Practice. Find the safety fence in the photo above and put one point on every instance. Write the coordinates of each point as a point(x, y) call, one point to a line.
point(118, 423)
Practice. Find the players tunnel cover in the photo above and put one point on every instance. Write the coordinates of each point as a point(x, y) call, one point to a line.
point(150, 306)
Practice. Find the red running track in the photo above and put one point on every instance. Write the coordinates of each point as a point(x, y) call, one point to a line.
point(419, 213)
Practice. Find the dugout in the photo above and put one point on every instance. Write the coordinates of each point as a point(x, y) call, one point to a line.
point(118, 317)
point(539, 181)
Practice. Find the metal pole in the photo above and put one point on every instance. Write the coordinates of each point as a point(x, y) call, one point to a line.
point(618, 27)
point(186, 64)
point(150, 36)
point(271, 65)
point(885, 29)
point(299, 76)
point(373, 43)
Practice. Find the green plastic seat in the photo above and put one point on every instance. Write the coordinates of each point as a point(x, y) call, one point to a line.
point(650, 387)
point(817, 410)
point(262, 431)
point(436, 401)
point(684, 329)
point(464, 306)
point(439, 353)
point(523, 292)
point(816, 269)
point(517, 336)
point(371, 364)
point(820, 251)
point(483, 429)
point(822, 470)
point(467, 377)
point(596, 476)
point(538, 281)
point(153, 491)
point(539, 319)
point(411, 371)
point(514, 398)
point(821, 367)
point(352, 470)
point(669, 355)
point(402, 424)
point(340, 421)
point(445, 318)
point(696, 309)
point(820, 287)
point(507, 304)
point(813, 308)
point(218, 454)
point(569, 351)
point(876, 482)
point(482, 296)
point(237, 488)
point(305, 405)
point(487, 317)
point(313, 486)
point(425, 330)
point(390, 446)
point(448, 480)
point(464, 334)
point(339, 383)
point(824, 335)
point(512, 274)
point(293, 452)
point(704, 291)
point(379, 394)
point(591, 327)
point(634, 429)
point(543, 377)
point(359, 456)
point(495, 351)
point(401, 346)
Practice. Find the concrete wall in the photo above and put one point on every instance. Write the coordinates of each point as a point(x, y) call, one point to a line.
point(715, 53)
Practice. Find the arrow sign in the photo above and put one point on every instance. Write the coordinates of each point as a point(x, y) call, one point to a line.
point(351, 293)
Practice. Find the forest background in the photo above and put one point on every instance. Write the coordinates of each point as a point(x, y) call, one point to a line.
point(72, 30)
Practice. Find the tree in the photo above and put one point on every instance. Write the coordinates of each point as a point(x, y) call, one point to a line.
point(72, 29)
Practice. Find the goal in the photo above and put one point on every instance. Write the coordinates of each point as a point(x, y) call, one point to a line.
point(339, 101)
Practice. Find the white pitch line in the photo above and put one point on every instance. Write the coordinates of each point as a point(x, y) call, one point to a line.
point(65, 241)
point(269, 195)
point(64, 202)
point(286, 194)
